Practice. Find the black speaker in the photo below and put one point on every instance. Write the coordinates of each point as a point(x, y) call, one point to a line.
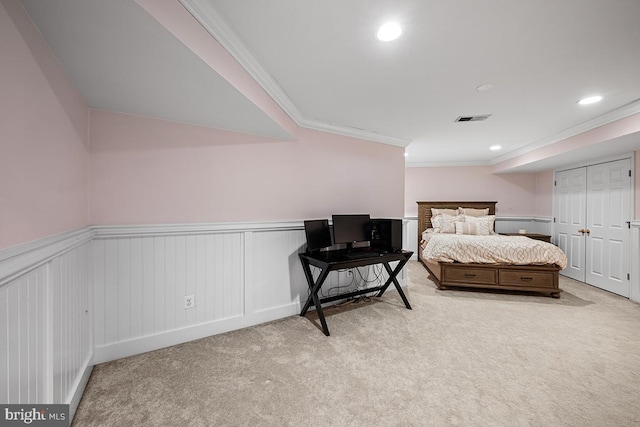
point(386, 234)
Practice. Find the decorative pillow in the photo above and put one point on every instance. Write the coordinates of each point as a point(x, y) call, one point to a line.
point(435, 212)
point(485, 224)
point(474, 212)
point(436, 223)
point(447, 223)
point(463, 227)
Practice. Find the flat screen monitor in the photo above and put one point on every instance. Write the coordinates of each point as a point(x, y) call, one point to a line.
point(351, 228)
point(318, 234)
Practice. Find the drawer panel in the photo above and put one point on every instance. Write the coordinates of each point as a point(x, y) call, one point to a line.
point(485, 276)
point(527, 278)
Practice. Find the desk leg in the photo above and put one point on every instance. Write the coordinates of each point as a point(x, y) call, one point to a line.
point(314, 288)
point(392, 278)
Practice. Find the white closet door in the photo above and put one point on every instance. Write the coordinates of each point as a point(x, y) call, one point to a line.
point(607, 241)
point(570, 193)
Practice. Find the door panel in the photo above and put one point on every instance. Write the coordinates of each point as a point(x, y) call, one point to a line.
point(616, 267)
point(575, 253)
point(608, 210)
point(570, 195)
point(595, 259)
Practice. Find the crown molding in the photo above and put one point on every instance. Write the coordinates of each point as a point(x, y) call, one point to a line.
point(206, 14)
point(353, 132)
point(210, 19)
point(444, 164)
point(609, 117)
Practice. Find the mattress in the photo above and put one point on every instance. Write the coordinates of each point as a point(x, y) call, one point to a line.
point(491, 249)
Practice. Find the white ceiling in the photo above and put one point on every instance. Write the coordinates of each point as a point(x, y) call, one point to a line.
point(321, 62)
point(122, 59)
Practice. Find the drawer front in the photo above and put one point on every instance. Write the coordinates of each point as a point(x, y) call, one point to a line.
point(485, 276)
point(526, 278)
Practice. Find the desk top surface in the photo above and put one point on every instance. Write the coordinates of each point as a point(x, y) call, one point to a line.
point(341, 258)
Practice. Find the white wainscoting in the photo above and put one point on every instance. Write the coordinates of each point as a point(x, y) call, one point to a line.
point(539, 225)
point(634, 290)
point(239, 274)
point(46, 323)
point(410, 235)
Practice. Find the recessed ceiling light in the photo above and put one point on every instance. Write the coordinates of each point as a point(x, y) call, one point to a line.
point(406, 154)
point(484, 87)
point(590, 100)
point(389, 31)
point(495, 148)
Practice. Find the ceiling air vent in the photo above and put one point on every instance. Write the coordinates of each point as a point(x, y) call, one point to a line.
point(478, 118)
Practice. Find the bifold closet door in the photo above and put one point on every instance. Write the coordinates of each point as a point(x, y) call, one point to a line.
point(592, 210)
point(571, 204)
point(608, 210)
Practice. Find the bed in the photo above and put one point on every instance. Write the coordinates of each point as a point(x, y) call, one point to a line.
point(520, 274)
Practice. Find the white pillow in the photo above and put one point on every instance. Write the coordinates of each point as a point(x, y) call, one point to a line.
point(447, 223)
point(463, 227)
point(438, 211)
point(473, 211)
point(484, 224)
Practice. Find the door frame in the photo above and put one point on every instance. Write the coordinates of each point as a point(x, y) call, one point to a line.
point(634, 232)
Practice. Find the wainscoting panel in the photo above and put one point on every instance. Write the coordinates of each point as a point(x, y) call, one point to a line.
point(45, 320)
point(634, 290)
point(276, 277)
point(23, 358)
point(410, 235)
point(141, 282)
point(71, 321)
point(239, 275)
point(531, 225)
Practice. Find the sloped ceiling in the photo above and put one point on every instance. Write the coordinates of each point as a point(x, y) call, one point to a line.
point(320, 61)
point(121, 59)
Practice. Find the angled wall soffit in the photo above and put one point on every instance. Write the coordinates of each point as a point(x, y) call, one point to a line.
point(604, 119)
point(211, 21)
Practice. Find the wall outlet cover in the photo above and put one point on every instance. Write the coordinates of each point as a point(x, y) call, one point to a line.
point(189, 301)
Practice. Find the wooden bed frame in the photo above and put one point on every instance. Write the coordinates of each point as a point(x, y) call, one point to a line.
point(532, 278)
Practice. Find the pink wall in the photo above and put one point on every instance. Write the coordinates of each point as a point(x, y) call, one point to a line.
point(146, 171)
point(515, 193)
point(43, 131)
point(543, 199)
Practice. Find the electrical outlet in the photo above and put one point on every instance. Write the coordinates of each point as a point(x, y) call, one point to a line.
point(189, 301)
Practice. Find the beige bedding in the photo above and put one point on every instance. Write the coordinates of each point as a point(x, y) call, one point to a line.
point(492, 249)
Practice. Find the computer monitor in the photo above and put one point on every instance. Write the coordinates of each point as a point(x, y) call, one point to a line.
point(351, 228)
point(318, 234)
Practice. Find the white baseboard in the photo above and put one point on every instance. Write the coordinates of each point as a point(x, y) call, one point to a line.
point(147, 343)
point(79, 386)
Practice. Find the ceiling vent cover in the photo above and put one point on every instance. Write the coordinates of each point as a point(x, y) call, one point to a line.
point(477, 118)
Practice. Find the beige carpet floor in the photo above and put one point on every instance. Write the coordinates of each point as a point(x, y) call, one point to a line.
point(458, 358)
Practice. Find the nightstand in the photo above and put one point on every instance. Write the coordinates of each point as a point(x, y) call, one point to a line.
point(543, 237)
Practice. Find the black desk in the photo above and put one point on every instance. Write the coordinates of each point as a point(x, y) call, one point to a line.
point(336, 260)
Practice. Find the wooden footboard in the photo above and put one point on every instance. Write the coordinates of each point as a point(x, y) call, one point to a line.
point(530, 278)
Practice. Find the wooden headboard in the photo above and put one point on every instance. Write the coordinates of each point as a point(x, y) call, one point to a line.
point(424, 212)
